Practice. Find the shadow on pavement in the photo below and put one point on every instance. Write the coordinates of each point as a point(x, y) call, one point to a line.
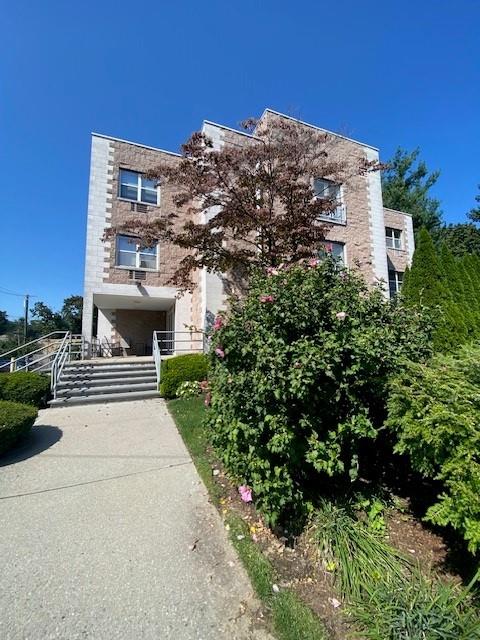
point(40, 438)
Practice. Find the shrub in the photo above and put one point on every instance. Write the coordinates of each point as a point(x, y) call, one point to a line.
point(15, 421)
point(192, 366)
point(26, 387)
point(188, 389)
point(298, 377)
point(433, 411)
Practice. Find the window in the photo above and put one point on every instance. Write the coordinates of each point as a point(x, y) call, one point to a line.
point(336, 249)
point(134, 186)
point(326, 189)
point(395, 281)
point(393, 238)
point(129, 254)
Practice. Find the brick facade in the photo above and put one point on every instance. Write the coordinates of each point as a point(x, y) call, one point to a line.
point(109, 286)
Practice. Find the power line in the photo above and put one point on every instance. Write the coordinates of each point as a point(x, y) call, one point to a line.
point(9, 292)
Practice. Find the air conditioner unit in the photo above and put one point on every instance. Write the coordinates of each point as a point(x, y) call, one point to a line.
point(139, 207)
point(137, 276)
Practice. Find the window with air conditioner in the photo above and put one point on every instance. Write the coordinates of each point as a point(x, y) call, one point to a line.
point(130, 254)
point(136, 187)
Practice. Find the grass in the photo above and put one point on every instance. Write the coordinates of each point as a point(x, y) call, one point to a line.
point(387, 597)
point(189, 414)
point(361, 558)
point(291, 618)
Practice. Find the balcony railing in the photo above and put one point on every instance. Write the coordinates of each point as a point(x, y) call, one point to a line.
point(338, 216)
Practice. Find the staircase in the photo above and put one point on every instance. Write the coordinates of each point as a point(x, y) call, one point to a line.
point(106, 380)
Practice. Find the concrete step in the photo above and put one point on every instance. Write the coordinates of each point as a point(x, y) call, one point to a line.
point(102, 375)
point(109, 397)
point(75, 368)
point(74, 382)
point(104, 390)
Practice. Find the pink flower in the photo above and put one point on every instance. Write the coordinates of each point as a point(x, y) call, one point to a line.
point(245, 493)
point(204, 385)
point(220, 352)
point(218, 324)
point(208, 399)
point(271, 271)
point(266, 298)
point(341, 315)
point(313, 262)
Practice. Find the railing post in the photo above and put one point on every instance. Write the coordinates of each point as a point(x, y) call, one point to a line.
point(12, 364)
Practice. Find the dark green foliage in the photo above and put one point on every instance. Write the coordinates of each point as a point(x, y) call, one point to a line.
point(192, 366)
point(26, 387)
point(449, 288)
point(405, 187)
point(433, 412)
point(4, 324)
point(460, 238)
point(474, 213)
point(71, 313)
point(15, 421)
point(301, 388)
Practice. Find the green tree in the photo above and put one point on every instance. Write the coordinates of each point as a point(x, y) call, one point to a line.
point(427, 285)
point(4, 323)
point(406, 184)
point(71, 313)
point(461, 238)
point(474, 214)
point(45, 320)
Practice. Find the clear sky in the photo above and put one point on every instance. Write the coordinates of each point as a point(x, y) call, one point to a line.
point(387, 73)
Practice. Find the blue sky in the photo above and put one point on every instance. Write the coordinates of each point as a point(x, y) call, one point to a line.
point(388, 73)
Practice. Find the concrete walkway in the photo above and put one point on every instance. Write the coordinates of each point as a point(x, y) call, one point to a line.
point(106, 532)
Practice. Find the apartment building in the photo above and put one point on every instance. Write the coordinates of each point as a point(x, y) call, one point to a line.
point(127, 290)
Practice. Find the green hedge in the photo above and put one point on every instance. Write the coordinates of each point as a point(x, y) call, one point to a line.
point(192, 366)
point(15, 421)
point(26, 387)
point(433, 413)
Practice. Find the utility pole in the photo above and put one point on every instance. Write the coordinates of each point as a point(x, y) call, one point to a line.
point(25, 324)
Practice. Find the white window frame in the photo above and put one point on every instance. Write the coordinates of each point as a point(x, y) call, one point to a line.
point(140, 177)
point(397, 279)
point(339, 216)
point(391, 240)
point(137, 251)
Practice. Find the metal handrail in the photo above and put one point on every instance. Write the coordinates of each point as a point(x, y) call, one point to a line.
point(24, 361)
point(62, 354)
point(173, 341)
point(22, 346)
point(157, 358)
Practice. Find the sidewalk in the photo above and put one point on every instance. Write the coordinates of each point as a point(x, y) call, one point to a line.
point(107, 533)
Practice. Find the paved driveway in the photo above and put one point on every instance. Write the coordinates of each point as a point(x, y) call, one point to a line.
point(106, 532)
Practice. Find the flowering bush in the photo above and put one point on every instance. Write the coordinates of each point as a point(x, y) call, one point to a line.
point(298, 380)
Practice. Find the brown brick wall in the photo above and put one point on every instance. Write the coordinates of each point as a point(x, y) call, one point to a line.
point(141, 159)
